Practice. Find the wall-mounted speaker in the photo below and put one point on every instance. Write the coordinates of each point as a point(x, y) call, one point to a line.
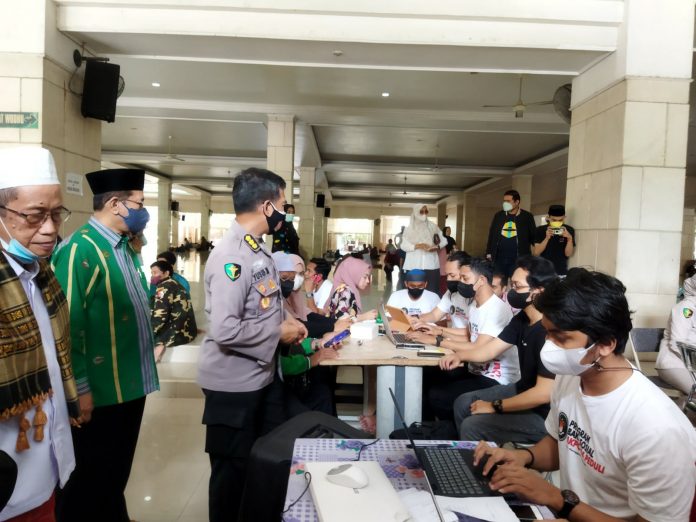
point(174, 207)
point(100, 90)
point(327, 212)
point(377, 222)
point(321, 200)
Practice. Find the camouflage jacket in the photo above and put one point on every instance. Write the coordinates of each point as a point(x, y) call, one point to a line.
point(173, 322)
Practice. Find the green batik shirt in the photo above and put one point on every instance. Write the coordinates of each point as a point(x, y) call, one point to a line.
point(112, 343)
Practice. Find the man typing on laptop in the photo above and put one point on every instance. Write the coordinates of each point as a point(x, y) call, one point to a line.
point(623, 448)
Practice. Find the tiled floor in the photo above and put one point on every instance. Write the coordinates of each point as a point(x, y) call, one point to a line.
point(169, 479)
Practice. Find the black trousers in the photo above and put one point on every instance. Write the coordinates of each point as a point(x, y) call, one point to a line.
point(233, 423)
point(104, 450)
point(505, 265)
point(445, 386)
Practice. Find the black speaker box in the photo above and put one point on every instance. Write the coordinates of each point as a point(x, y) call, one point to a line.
point(100, 91)
point(271, 457)
point(321, 200)
point(327, 212)
point(174, 207)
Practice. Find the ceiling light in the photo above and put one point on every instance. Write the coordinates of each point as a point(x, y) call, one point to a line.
point(338, 52)
point(385, 94)
point(155, 84)
point(148, 498)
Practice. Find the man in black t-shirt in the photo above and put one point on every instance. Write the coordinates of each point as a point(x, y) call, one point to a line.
point(555, 241)
point(511, 412)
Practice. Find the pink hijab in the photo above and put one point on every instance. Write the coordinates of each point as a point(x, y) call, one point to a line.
point(297, 300)
point(349, 273)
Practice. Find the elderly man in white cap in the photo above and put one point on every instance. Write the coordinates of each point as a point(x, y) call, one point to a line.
point(38, 395)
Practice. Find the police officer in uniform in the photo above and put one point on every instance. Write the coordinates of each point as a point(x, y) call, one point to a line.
point(238, 361)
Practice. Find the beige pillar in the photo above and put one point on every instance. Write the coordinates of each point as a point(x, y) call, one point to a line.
point(522, 183)
point(687, 241)
point(459, 232)
point(33, 84)
point(305, 209)
point(376, 232)
point(164, 216)
point(468, 240)
point(441, 215)
point(320, 233)
point(174, 218)
point(625, 188)
point(280, 152)
point(205, 215)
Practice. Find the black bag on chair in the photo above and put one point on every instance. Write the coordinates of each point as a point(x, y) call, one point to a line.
point(428, 430)
point(271, 457)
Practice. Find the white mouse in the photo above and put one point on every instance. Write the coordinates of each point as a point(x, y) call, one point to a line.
point(348, 475)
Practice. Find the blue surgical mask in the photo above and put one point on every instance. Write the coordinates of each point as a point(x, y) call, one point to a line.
point(137, 219)
point(17, 250)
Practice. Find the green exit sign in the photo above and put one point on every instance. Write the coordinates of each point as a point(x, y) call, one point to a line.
point(19, 120)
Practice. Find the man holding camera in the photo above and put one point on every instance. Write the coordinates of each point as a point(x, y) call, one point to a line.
point(555, 241)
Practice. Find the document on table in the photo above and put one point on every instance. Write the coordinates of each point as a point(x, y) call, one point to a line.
point(484, 509)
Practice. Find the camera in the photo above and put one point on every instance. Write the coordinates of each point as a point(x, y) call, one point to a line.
point(558, 231)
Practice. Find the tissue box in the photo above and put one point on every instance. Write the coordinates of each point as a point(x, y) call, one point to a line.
point(364, 330)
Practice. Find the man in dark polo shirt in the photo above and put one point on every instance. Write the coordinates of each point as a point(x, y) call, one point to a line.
point(556, 240)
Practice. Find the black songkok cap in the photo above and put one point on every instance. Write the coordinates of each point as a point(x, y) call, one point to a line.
point(556, 210)
point(116, 180)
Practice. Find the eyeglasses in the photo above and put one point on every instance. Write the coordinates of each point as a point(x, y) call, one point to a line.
point(140, 205)
point(58, 216)
point(516, 287)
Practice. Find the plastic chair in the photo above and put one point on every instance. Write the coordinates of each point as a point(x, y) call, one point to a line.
point(689, 355)
point(647, 341)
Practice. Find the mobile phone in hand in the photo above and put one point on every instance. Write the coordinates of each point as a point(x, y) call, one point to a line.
point(337, 338)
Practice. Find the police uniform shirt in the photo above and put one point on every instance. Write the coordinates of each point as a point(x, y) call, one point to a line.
point(244, 309)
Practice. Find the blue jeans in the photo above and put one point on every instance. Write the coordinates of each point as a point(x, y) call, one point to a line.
point(521, 426)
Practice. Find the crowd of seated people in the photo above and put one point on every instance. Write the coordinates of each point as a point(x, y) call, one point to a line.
point(533, 359)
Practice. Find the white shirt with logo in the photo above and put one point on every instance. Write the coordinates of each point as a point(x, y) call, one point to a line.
point(629, 452)
point(457, 307)
point(489, 319)
point(322, 294)
point(424, 304)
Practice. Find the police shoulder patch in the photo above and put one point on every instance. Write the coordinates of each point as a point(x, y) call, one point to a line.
point(253, 244)
point(233, 271)
point(688, 312)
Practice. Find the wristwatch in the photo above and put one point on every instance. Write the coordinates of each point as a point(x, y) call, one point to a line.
point(570, 500)
point(438, 340)
point(309, 295)
point(498, 405)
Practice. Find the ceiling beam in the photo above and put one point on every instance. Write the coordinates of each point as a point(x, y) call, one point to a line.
point(406, 168)
point(423, 189)
point(189, 160)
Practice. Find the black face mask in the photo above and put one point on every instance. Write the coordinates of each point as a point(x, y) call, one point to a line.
point(517, 300)
point(286, 288)
point(452, 286)
point(415, 292)
point(466, 291)
point(274, 219)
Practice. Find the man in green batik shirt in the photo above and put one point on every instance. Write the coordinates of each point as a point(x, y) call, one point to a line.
point(112, 349)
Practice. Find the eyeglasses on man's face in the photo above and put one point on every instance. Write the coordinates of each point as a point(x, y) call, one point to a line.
point(58, 216)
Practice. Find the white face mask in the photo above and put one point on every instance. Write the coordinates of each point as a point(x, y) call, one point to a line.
point(564, 361)
point(299, 281)
point(422, 217)
point(507, 207)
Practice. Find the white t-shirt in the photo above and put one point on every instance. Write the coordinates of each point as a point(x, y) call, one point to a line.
point(425, 303)
point(489, 319)
point(629, 452)
point(457, 307)
point(322, 294)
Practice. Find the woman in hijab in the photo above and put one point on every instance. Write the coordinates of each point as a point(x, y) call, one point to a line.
point(681, 328)
point(352, 276)
point(421, 241)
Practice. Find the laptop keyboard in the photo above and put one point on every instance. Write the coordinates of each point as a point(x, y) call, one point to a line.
point(401, 338)
point(452, 474)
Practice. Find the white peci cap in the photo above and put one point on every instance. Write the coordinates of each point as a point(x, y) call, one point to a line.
point(27, 166)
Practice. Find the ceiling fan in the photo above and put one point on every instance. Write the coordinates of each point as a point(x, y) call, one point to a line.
point(170, 155)
point(520, 106)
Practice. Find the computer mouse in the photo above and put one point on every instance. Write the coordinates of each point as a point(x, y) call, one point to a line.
point(348, 475)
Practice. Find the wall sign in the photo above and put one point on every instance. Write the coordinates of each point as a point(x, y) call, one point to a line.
point(19, 120)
